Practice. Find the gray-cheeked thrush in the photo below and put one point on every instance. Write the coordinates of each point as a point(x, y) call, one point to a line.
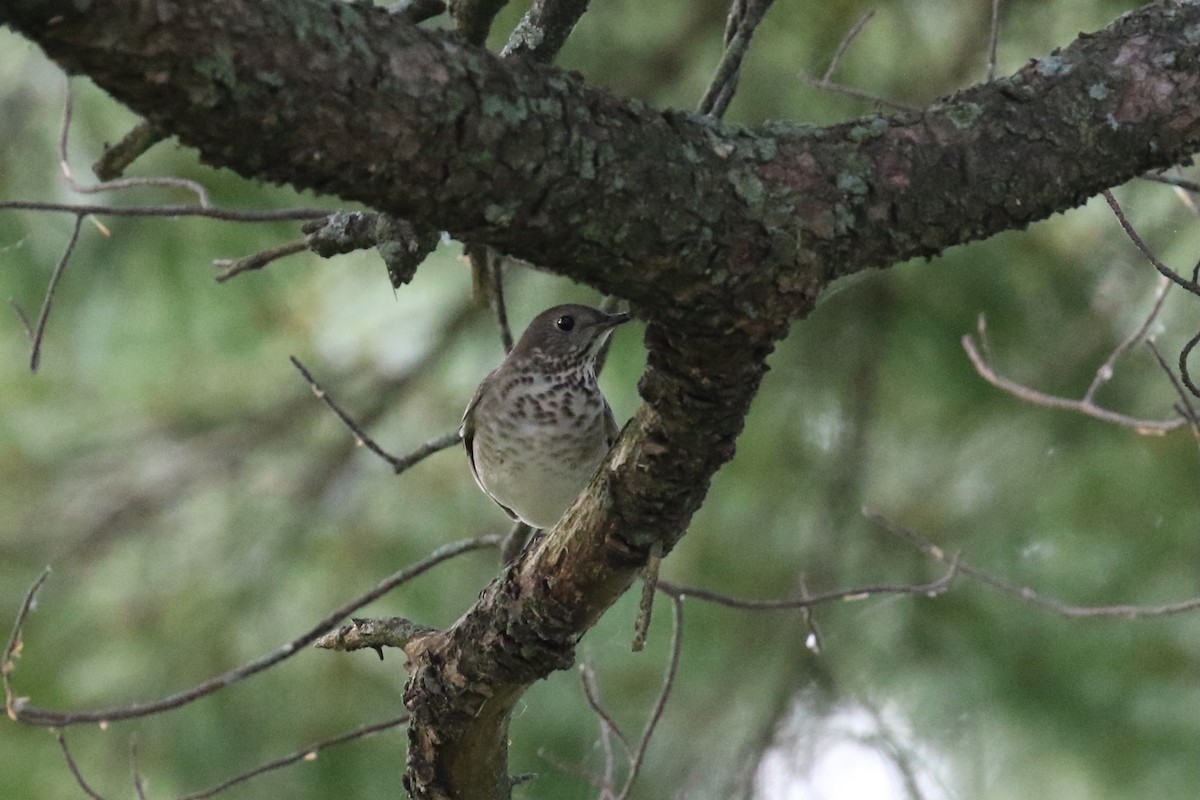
point(538, 425)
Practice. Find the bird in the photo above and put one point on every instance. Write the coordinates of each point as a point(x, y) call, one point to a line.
point(538, 426)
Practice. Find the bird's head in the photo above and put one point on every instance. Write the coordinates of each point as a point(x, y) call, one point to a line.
point(567, 334)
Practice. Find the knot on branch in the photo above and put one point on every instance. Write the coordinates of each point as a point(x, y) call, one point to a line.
point(401, 244)
point(519, 631)
point(375, 634)
point(535, 638)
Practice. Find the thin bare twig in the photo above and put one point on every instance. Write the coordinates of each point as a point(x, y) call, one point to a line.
point(50, 718)
point(13, 704)
point(120, 183)
point(606, 780)
point(826, 83)
point(993, 41)
point(639, 755)
point(1184, 406)
point(608, 729)
point(1085, 406)
point(574, 769)
point(813, 640)
point(1105, 372)
point(1191, 285)
point(1025, 593)
point(39, 331)
point(1173, 180)
point(136, 183)
point(71, 765)
point(744, 17)
point(1185, 197)
point(858, 94)
point(399, 464)
point(487, 277)
point(231, 267)
point(22, 317)
point(139, 786)
point(307, 754)
point(845, 43)
point(588, 679)
point(496, 271)
point(932, 589)
point(1184, 375)
point(421, 452)
point(224, 214)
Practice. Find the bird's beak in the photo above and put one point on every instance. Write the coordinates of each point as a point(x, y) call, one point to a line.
point(619, 318)
point(605, 328)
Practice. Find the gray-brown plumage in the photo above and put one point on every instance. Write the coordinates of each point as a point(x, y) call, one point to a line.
point(538, 425)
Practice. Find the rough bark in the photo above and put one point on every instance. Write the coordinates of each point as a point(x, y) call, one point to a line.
point(720, 236)
point(666, 208)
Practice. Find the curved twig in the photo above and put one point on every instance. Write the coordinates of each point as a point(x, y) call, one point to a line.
point(210, 212)
point(399, 463)
point(744, 17)
point(39, 330)
point(806, 600)
point(232, 267)
point(13, 704)
point(1084, 406)
point(74, 768)
point(1028, 595)
point(1191, 285)
point(306, 754)
point(1184, 375)
point(119, 183)
point(635, 763)
point(49, 717)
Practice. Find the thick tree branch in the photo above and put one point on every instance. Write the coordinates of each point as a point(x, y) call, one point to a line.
point(664, 208)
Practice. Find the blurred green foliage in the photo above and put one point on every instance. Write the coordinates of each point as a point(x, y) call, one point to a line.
point(199, 507)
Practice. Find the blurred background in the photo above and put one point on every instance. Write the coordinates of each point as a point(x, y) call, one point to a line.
point(199, 507)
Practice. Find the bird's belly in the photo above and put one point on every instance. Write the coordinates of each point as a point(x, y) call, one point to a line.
point(537, 473)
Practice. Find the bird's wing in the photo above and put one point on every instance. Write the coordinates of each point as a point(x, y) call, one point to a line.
point(611, 430)
point(466, 431)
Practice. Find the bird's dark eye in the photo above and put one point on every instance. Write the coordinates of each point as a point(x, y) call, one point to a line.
point(565, 323)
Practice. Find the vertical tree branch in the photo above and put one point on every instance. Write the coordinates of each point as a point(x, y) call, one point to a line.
point(544, 29)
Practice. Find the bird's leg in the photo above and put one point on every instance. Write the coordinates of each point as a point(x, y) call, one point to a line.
point(514, 544)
